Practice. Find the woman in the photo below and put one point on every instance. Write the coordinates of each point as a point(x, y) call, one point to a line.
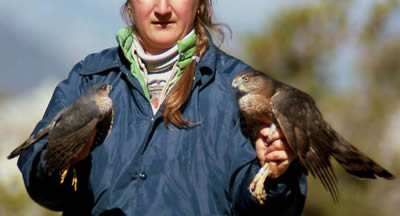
point(176, 147)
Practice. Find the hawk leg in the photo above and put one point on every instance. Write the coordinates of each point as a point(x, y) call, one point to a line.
point(74, 183)
point(257, 185)
point(64, 173)
point(74, 180)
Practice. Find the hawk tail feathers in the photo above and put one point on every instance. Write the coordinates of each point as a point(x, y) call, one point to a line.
point(24, 146)
point(357, 163)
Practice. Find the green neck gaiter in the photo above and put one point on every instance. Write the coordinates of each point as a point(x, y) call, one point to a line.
point(186, 49)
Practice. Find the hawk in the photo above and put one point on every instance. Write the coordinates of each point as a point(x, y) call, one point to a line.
point(74, 131)
point(265, 101)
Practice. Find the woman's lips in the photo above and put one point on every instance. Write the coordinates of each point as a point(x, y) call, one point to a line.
point(162, 22)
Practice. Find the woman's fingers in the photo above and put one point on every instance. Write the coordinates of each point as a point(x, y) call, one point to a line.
point(265, 131)
point(277, 156)
point(277, 168)
point(277, 145)
point(279, 150)
point(271, 146)
point(276, 135)
point(261, 149)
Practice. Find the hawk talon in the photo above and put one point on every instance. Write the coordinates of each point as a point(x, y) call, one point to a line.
point(262, 170)
point(63, 175)
point(273, 127)
point(256, 187)
point(75, 180)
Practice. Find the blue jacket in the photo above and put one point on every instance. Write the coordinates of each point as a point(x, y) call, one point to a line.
point(143, 168)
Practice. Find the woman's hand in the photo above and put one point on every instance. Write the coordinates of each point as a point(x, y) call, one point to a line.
point(275, 149)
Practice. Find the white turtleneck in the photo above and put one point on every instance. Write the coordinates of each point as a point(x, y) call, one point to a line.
point(160, 70)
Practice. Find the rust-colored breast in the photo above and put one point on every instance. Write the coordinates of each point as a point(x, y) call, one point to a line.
point(256, 107)
point(105, 105)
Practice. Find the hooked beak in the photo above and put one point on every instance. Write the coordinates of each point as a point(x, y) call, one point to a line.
point(109, 88)
point(235, 84)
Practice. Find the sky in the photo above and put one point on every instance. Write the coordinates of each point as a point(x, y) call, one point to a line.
point(42, 40)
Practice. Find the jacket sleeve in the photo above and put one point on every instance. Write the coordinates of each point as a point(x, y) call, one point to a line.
point(285, 195)
point(45, 188)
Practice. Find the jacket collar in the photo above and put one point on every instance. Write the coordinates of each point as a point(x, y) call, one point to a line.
point(208, 64)
point(114, 58)
point(102, 61)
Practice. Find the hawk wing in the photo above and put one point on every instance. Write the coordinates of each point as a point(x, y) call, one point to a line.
point(35, 137)
point(62, 150)
point(103, 128)
point(73, 132)
point(305, 131)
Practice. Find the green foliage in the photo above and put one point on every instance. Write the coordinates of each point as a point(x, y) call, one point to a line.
point(291, 48)
point(376, 23)
point(387, 65)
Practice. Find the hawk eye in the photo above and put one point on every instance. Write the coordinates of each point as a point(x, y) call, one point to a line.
point(245, 78)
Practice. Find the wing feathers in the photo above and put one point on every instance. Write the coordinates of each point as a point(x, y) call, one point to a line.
point(321, 167)
point(104, 128)
point(61, 151)
point(305, 137)
point(311, 153)
point(314, 141)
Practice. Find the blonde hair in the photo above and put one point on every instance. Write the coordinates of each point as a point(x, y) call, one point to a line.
point(174, 103)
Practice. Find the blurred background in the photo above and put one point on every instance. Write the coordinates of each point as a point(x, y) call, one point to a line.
point(345, 53)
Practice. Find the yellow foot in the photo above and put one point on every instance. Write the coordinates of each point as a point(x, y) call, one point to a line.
point(75, 180)
point(74, 183)
point(257, 185)
point(63, 175)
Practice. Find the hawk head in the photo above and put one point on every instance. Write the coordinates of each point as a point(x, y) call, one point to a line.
point(100, 89)
point(253, 82)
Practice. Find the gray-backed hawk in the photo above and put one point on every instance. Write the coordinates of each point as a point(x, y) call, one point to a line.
point(74, 131)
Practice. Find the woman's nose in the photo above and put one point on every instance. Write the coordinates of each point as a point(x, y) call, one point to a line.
point(162, 7)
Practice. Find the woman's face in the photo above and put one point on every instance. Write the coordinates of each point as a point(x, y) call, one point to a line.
point(161, 23)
